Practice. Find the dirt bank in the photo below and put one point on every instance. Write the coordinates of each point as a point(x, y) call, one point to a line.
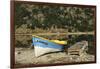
point(27, 56)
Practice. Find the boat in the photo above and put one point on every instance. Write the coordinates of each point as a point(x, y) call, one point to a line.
point(78, 48)
point(59, 42)
point(43, 46)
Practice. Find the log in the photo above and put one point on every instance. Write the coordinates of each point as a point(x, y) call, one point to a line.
point(69, 33)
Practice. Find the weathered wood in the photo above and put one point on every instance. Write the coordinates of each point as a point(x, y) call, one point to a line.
point(69, 33)
point(78, 48)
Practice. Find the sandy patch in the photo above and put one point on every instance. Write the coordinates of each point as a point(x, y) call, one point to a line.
point(27, 56)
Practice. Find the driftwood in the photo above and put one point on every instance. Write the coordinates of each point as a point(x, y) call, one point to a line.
point(68, 33)
point(78, 49)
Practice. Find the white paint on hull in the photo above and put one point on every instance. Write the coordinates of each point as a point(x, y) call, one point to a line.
point(40, 50)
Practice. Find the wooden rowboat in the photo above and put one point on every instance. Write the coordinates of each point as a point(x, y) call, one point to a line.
point(43, 46)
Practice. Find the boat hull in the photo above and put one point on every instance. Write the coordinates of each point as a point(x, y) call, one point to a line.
point(42, 46)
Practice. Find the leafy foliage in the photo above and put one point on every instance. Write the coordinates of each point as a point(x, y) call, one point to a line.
point(47, 16)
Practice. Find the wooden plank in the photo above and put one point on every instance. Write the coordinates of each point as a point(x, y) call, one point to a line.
point(78, 48)
point(69, 33)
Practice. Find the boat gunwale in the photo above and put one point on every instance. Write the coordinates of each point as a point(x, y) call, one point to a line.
point(48, 40)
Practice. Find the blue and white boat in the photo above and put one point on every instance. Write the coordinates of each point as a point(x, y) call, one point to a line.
point(43, 46)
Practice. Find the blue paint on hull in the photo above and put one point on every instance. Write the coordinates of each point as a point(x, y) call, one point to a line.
point(45, 43)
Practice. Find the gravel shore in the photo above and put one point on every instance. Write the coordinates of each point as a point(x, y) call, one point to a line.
point(27, 56)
